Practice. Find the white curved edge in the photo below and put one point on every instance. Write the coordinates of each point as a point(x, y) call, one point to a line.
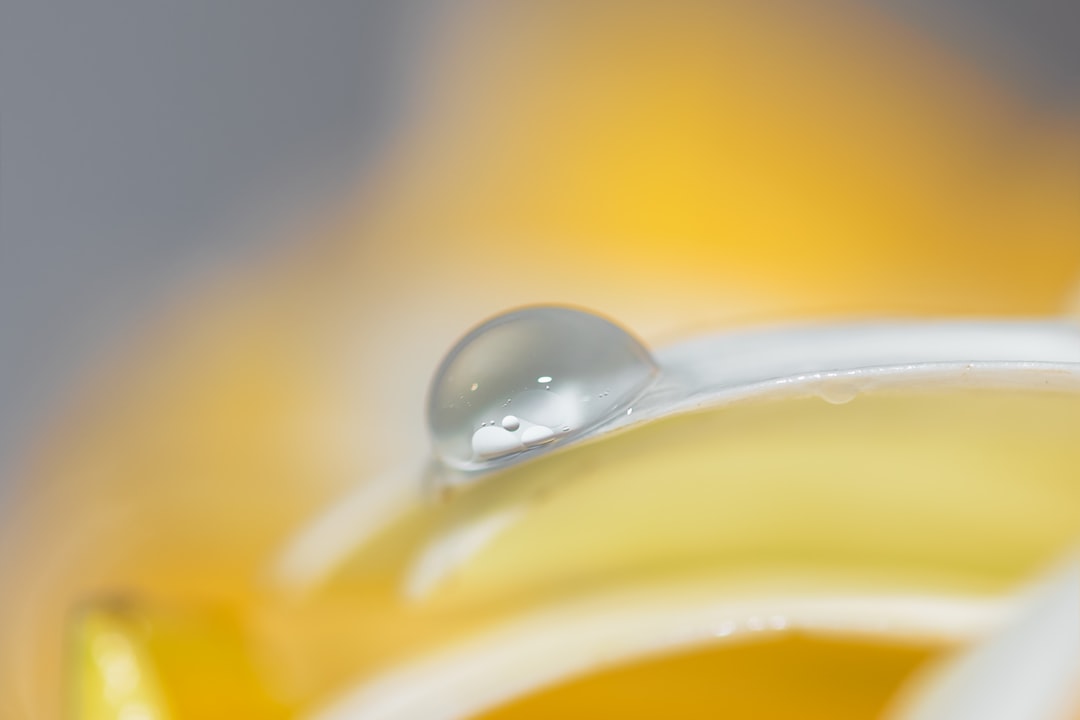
point(323, 545)
point(833, 361)
point(752, 356)
point(557, 645)
point(1030, 669)
point(836, 362)
point(445, 553)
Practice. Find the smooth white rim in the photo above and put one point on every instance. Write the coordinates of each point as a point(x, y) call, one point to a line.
point(737, 366)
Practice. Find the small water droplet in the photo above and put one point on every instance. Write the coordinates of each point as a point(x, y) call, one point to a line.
point(501, 361)
point(511, 423)
point(629, 411)
point(837, 392)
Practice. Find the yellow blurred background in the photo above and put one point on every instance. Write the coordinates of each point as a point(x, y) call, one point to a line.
point(680, 166)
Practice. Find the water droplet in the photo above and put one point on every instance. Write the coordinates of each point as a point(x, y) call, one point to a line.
point(837, 392)
point(629, 411)
point(511, 423)
point(502, 360)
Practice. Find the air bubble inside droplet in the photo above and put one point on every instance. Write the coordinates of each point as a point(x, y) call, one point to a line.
point(573, 355)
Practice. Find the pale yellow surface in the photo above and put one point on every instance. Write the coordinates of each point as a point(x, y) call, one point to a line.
point(944, 493)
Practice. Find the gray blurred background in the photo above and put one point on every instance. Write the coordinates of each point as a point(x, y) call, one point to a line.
point(135, 135)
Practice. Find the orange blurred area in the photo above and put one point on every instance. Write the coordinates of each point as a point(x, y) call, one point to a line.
point(680, 166)
point(790, 678)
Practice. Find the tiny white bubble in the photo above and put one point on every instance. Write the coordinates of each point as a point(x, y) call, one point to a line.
point(544, 379)
point(473, 387)
point(511, 423)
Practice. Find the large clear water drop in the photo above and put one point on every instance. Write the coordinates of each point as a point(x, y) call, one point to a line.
point(532, 379)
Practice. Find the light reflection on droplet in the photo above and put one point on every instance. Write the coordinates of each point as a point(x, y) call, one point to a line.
point(537, 435)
